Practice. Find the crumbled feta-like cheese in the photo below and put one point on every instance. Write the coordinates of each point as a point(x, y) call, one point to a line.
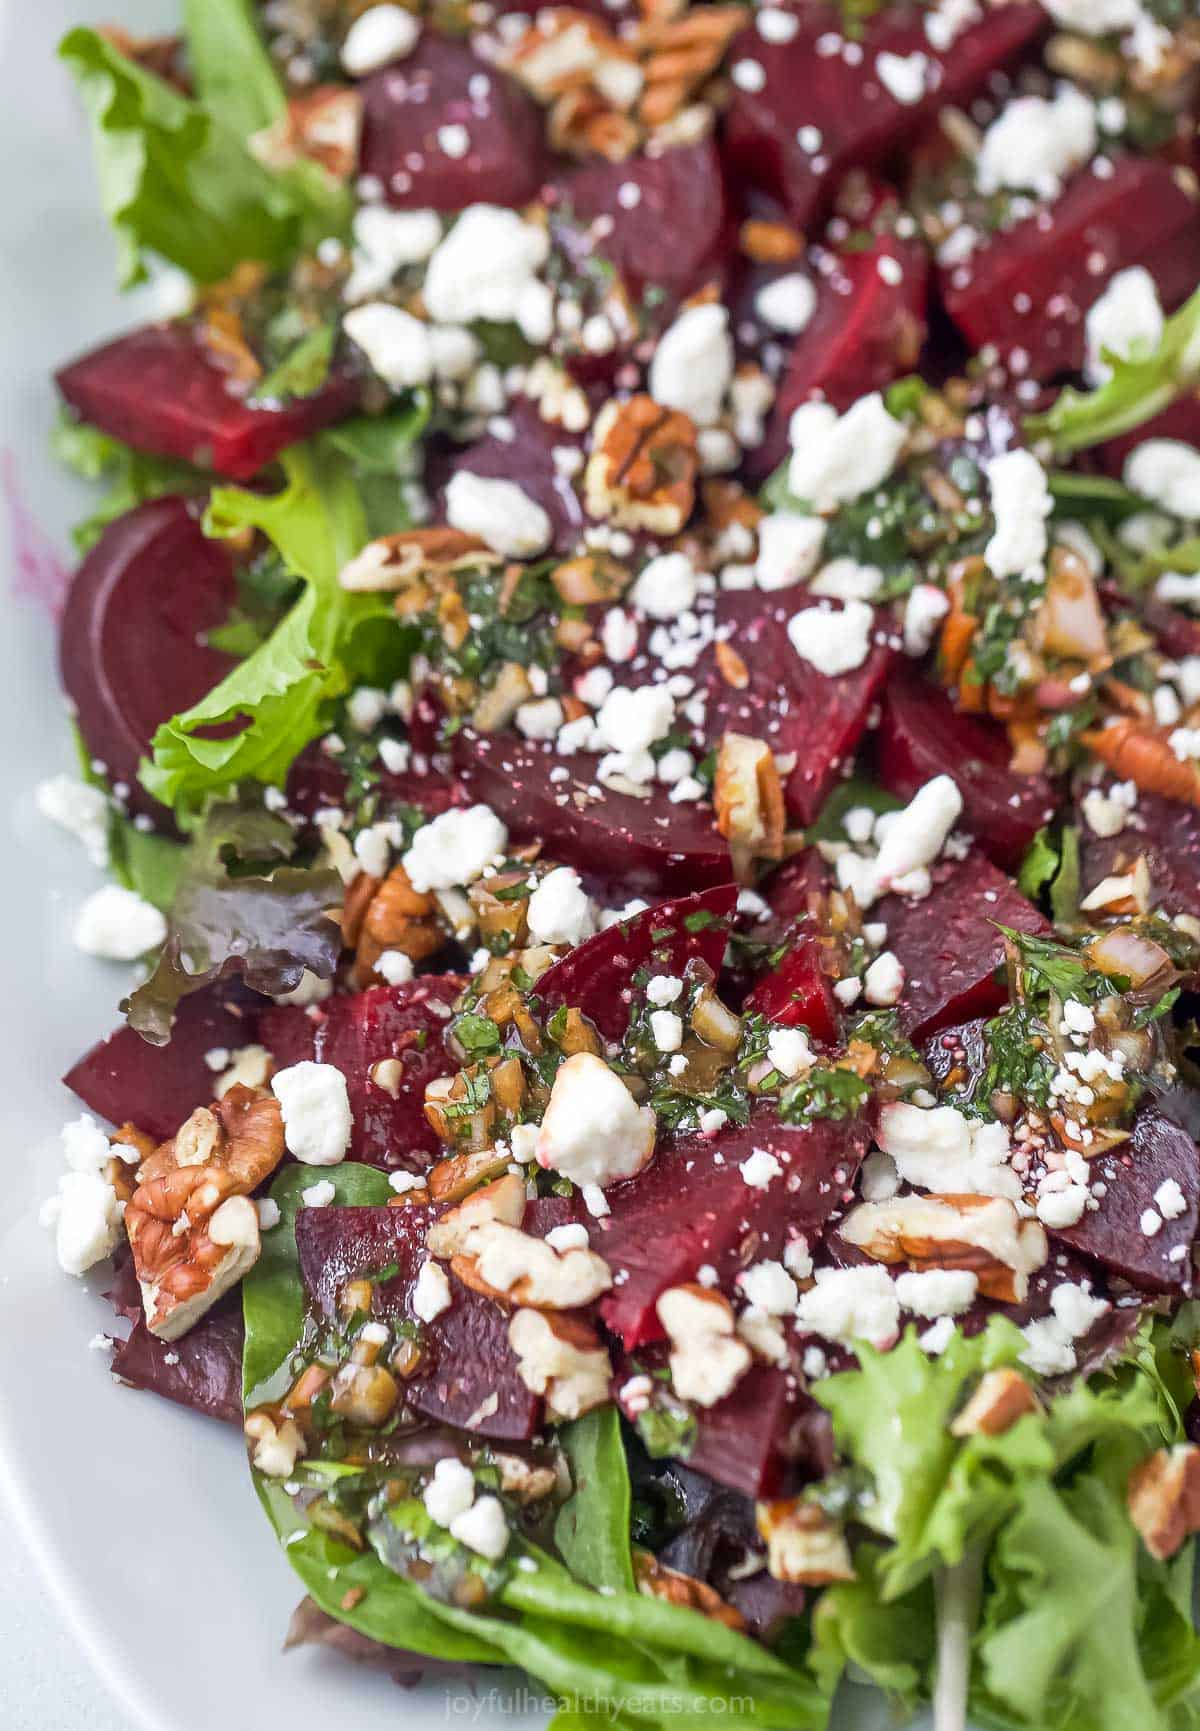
point(787, 303)
point(1050, 1342)
point(394, 967)
point(849, 1304)
point(500, 513)
point(455, 849)
point(483, 1528)
point(666, 1030)
point(318, 1195)
point(86, 1217)
point(940, 1149)
point(1127, 321)
point(693, 363)
point(769, 1287)
point(540, 719)
point(118, 925)
point(713, 1120)
point(396, 344)
point(759, 1169)
point(666, 587)
point(1095, 17)
point(483, 268)
point(797, 1258)
point(559, 910)
point(912, 838)
point(924, 611)
point(1021, 503)
point(378, 36)
point(1107, 811)
point(1167, 472)
point(937, 1291)
point(431, 1292)
point(385, 241)
point(633, 718)
point(1079, 1018)
point(316, 1112)
point(1036, 142)
point(1059, 1209)
point(663, 989)
point(366, 707)
point(789, 1052)
point(593, 1131)
point(706, 1361)
point(86, 1147)
point(846, 579)
point(79, 808)
point(878, 1178)
point(268, 1213)
point(571, 1237)
point(1170, 1200)
point(450, 1492)
point(904, 76)
point(883, 981)
point(372, 850)
point(789, 546)
point(837, 458)
point(833, 640)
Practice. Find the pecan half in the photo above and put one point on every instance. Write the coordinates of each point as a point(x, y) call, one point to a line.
point(656, 1581)
point(563, 1359)
point(642, 470)
point(1003, 1396)
point(1163, 1498)
point(983, 1234)
point(192, 1229)
point(395, 917)
point(804, 1544)
point(748, 797)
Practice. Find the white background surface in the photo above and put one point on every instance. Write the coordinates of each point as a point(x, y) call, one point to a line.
point(153, 1562)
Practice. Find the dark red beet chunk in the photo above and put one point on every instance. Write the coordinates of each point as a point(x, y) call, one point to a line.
point(798, 992)
point(948, 944)
point(469, 1358)
point(692, 1206)
point(158, 390)
point(856, 121)
point(358, 1031)
point(865, 332)
point(646, 846)
point(1168, 834)
point(124, 1079)
point(203, 1370)
point(676, 238)
point(1140, 214)
point(739, 1441)
point(317, 781)
point(922, 735)
point(787, 701)
point(526, 459)
point(131, 650)
point(405, 107)
point(1134, 1171)
point(597, 976)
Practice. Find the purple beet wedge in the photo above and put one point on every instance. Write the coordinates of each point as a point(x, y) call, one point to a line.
point(948, 944)
point(799, 711)
point(1140, 214)
point(922, 735)
point(468, 1374)
point(742, 1441)
point(527, 459)
point(203, 1370)
point(159, 390)
point(444, 84)
point(125, 1080)
point(318, 782)
point(132, 649)
point(675, 239)
point(814, 114)
point(691, 1206)
point(867, 330)
point(1167, 833)
point(597, 976)
point(798, 992)
point(359, 1031)
point(1114, 1234)
point(647, 846)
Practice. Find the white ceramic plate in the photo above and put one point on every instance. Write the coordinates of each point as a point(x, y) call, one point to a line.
point(140, 1514)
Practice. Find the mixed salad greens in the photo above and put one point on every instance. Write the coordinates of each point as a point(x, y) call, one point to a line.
point(636, 667)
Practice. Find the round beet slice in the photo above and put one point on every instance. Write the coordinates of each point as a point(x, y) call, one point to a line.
point(158, 389)
point(922, 735)
point(817, 113)
point(417, 113)
point(1142, 213)
point(132, 648)
point(645, 846)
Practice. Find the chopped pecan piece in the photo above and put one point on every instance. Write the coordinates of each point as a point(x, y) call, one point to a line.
point(395, 917)
point(394, 562)
point(983, 1234)
point(656, 1581)
point(748, 796)
point(642, 470)
point(804, 1544)
point(1003, 1396)
point(1164, 1498)
point(503, 1201)
point(192, 1229)
point(563, 1359)
point(324, 125)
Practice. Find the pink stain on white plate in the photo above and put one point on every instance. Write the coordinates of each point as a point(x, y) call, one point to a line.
point(38, 574)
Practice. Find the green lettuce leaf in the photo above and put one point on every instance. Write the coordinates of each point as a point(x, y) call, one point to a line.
point(177, 182)
point(1051, 865)
point(278, 697)
point(130, 477)
point(1136, 391)
point(592, 1529)
point(231, 67)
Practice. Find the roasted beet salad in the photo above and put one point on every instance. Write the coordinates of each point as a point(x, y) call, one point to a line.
point(637, 680)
